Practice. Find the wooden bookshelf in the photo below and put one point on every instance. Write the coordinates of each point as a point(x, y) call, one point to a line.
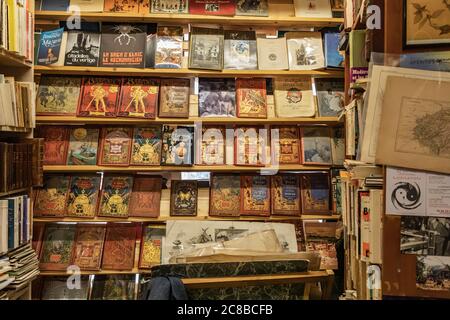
point(11, 192)
point(12, 59)
point(14, 129)
point(94, 272)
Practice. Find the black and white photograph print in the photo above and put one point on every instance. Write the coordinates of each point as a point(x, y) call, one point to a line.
point(217, 97)
point(316, 143)
point(330, 96)
point(433, 273)
point(82, 49)
point(206, 49)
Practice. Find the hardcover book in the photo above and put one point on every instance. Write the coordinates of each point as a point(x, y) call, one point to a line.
point(56, 142)
point(88, 247)
point(150, 45)
point(177, 145)
point(88, 5)
point(57, 247)
point(82, 49)
point(212, 7)
point(285, 195)
point(54, 5)
point(252, 8)
point(115, 197)
point(333, 58)
point(330, 96)
point(169, 47)
point(169, 6)
point(119, 249)
point(115, 146)
point(128, 6)
point(250, 146)
point(224, 196)
point(49, 46)
point(315, 190)
point(150, 255)
point(338, 145)
point(285, 145)
point(240, 50)
point(251, 98)
point(83, 144)
point(305, 50)
point(293, 98)
point(255, 195)
point(114, 287)
point(57, 289)
point(57, 95)
point(83, 196)
point(183, 198)
point(272, 54)
point(217, 97)
point(146, 149)
point(51, 199)
point(146, 196)
point(312, 8)
point(206, 49)
point(212, 146)
point(123, 45)
point(138, 98)
point(99, 97)
point(316, 145)
point(174, 98)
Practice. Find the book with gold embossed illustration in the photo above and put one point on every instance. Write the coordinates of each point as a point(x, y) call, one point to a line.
point(51, 200)
point(115, 146)
point(119, 246)
point(88, 247)
point(99, 97)
point(224, 198)
point(151, 242)
point(285, 146)
point(83, 196)
point(146, 149)
point(285, 195)
point(138, 98)
point(255, 195)
point(115, 198)
point(183, 198)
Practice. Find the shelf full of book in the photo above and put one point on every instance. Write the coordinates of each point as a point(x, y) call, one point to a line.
point(12, 59)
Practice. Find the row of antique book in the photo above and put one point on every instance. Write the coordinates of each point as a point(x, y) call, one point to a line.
point(104, 246)
point(188, 145)
point(152, 46)
point(170, 98)
point(16, 103)
point(121, 196)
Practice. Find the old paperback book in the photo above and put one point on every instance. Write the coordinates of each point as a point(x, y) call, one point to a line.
point(212, 147)
point(82, 48)
point(88, 247)
point(272, 54)
point(115, 146)
point(315, 190)
point(88, 5)
point(119, 248)
point(212, 7)
point(285, 146)
point(57, 95)
point(177, 145)
point(174, 98)
point(146, 196)
point(56, 141)
point(217, 97)
point(251, 98)
point(285, 195)
point(99, 97)
point(115, 198)
point(240, 50)
point(129, 6)
point(83, 196)
point(316, 145)
point(183, 198)
point(169, 47)
point(312, 8)
point(169, 6)
point(57, 247)
point(255, 195)
point(224, 197)
point(51, 198)
point(206, 49)
point(330, 96)
point(138, 98)
point(293, 98)
point(83, 144)
point(305, 50)
point(114, 287)
point(252, 8)
point(250, 146)
point(152, 237)
point(146, 148)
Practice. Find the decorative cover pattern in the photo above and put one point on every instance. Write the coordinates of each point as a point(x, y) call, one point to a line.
point(151, 246)
point(250, 146)
point(146, 148)
point(177, 145)
point(57, 247)
point(88, 248)
point(224, 198)
point(293, 98)
point(129, 6)
point(174, 98)
point(83, 145)
point(212, 146)
point(146, 197)
point(83, 196)
point(255, 195)
point(115, 146)
point(315, 191)
point(285, 195)
point(139, 98)
point(169, 6)
point(51, 199)
point(240, 50)
point(119, 247)
point(251, 98)
point(99, 97)
point(252, 8)
point(58, 95)
point(183, 198)
point(56, 142)
point(115, 196)
point(285, 144)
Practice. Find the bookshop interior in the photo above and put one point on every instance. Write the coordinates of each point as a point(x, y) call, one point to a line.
point(224, 149)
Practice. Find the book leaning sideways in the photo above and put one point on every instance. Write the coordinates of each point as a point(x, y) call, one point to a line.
point(49, 46)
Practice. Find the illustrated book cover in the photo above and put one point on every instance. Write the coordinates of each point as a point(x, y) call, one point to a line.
point(138, 98)
point(169, 6)
point(146, 196)
point(183, 198)
point(206, 48)
point(305, 50)
point(49, 46)
point(252, 8)
point(99, 97)
point(177, 145)
point(212, 7)
point(272, 54)
point(217, 97)
point(52, 197)
point(151, 243)
point(240, 50)
point(174, 98)
point(255, 195)
point(83, 144)
point(88, 249)
point(315, 190)
point(330, 96)
point(285, 195)
point(56, 141)
point(128, 6)
point(285, 146)
point(119, 248)
point(58, 95)
point(114, 287)
point(146, 148)
point(55, 288)
point(169, 47)
point(293, 98)
point(333, 58)
point(115, 196)
point(312, 9)
point(251, 99)
point(83, 196)
point(211, 148)
point(224, 196)
point(316, 145)
point(57, 247)
point(250, 145)
point(115, 146)
point(82, 48)
point(338, 145)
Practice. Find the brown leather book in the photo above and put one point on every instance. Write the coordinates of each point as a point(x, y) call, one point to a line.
point(88, 248)
point(146, 197)
point(119, 247)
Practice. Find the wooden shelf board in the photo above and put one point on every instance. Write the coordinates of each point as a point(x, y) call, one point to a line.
point(96, 272)
point(14, 129)
point(12, 59)
point(105, 71)
point(11, 192)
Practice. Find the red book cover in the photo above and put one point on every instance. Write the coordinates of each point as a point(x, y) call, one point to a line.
point(145, 197)
point(115, 146)
point(139, 98)
point(251, 98)
point(212, 7)
point(56, 143)
point(99, 97)
point(119, 247)
point(88, 249)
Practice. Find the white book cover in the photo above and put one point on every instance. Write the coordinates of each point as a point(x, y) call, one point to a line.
point(88, 5)
point(313, 9)
point(272, 54)
point(3, 226)
point(305, 50)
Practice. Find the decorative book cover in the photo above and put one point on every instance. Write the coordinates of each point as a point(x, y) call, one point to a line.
point(56, 142)
point(51, 198)
point(146, 149)
point(212, 7)
point(115, 146)
point(217, 97)
point(99, 97)
point(183, 198)
point(206, 48)
point(240, 50)
point(305, 50)
point(128, 6)
point(177, 145)
point(138, 98)
point(83, 144)
point(333, 58)
point(285, 144)
point(174, 98)
point(312, 8)
point(150, 255)
point(293, 98)
point(315, 189)
point(38, 234)
point(169, 6)
point(338, 145)
point(251, 98)
point(115, 197)
point(255, 195)
point(123, 45)
point(330, 96)
point(55, 288)
point(224, 196)
point(88, 247)
point(250, 145)
point(49, 46)
point(212, 146)
point(83, 196)
point(316, 145)
point(82, 48)
point(146, 196)
point(285, 195)
point(169, 47)
point(252, 8)
point(57, 95)
point(57, 247)
point(272, 54)
point(119, 249)
point(114, 287)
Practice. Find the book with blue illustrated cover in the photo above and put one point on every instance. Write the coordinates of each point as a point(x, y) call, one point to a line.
point(54, 5)
point(333, 59)
point(49, 46)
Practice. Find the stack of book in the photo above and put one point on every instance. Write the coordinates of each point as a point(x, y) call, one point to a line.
point(5, 276)
point(24, 266)
point(17, 104)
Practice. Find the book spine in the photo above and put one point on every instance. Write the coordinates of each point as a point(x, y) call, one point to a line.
point(10, 223)
point(16, 221)
point(3, 226)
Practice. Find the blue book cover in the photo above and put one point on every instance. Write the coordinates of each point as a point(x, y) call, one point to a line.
point(333, 59)
point(10, 223)
point(24, 219)
point(432, 61)
point(49, 46)
point(54, 5)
